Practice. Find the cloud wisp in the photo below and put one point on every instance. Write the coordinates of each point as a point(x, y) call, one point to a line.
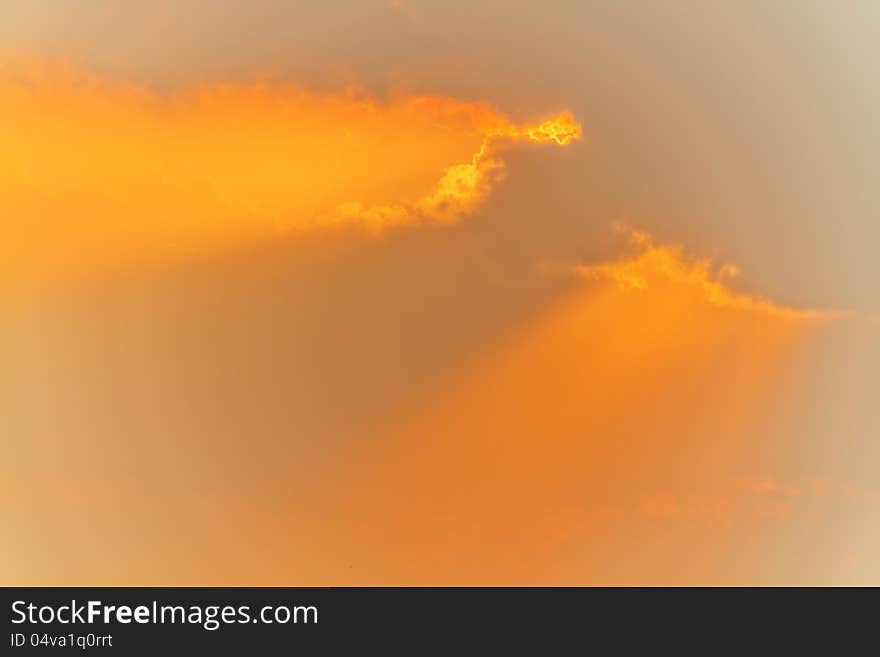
point(464, 186)
point(654, 265)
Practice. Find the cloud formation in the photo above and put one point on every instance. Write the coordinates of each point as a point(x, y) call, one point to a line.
point(655, 265)
point(102, 171)
point(464, 186)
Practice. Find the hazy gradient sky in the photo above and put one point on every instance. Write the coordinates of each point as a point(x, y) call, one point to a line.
point(330, 292)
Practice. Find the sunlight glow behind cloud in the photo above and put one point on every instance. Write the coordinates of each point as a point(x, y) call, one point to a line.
point(464, 186)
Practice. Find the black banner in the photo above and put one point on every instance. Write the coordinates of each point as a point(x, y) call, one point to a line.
point(132, 621)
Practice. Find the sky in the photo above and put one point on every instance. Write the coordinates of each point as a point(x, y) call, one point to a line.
point(411, 292)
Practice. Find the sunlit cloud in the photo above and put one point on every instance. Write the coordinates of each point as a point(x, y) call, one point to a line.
point(100, 173)
point(464, 186)
point(652, 265)
point(266, 313)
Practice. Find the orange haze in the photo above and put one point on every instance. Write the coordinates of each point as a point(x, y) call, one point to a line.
point(613, 440)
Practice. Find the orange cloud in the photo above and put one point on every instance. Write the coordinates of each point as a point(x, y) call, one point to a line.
point(464, 186)
point(667, 265)
point(99, 173)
